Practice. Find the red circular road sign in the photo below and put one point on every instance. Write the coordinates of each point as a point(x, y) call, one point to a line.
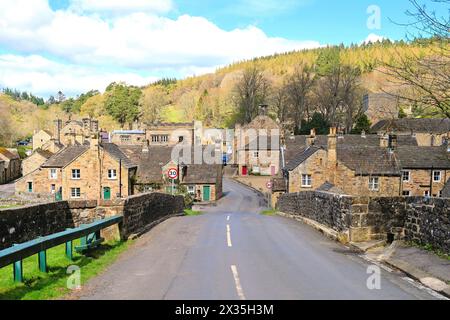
point(172, 173)
point(269, 185)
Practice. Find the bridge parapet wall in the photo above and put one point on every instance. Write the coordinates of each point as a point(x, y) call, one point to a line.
point(359, 219)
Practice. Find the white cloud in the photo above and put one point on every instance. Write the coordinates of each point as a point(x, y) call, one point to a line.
point(373, 38)
point(122, 6)
point(45, 77)
point(138, 40)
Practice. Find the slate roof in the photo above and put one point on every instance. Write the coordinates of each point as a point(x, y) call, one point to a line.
point(149, 163)
point(369, 160)
point(413, 125)
point(8, 154)
point(65, 156)
point(201, 174)
point(301, 157)
point(117, 154)
point(45, 153)
point(423, 157)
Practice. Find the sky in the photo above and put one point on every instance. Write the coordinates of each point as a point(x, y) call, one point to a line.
point(78, 45)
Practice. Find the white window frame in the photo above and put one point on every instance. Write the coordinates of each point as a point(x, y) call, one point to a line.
point(406, 195)
point(164, 138)
point(374, 183)
point(427, 194)
point(256, 154)
point(53, 176)
point(306, 181)
point(53, 188)
point(191, 190)
point(74, 194)
point(112, 176)
point(434, 176)
point(409, 175)
point(74, 175)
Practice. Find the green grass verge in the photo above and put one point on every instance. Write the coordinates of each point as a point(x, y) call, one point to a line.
point(270, 212)
point(190, 212)
point(51, 285)
point(9, 206)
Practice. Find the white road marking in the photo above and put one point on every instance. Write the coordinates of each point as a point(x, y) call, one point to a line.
point(229, 236)
point(237, 282)
point(228, 218)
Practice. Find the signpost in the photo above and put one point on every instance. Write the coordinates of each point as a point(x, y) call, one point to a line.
point(269, 187)
point(172, 173)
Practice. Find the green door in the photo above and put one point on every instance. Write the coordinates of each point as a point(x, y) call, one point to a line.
point(106, 193)
point(206, 193)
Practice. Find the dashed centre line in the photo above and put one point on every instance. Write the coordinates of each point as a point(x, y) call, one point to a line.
point(229, 236)
point(237, 282)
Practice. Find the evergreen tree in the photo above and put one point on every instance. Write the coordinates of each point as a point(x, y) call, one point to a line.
point(362, 124)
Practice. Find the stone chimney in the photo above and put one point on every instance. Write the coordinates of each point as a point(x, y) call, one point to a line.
point(57, 126)
point(311, 140)
point(384, 140)
point(332, 155)
point(94, 142)
point(363, 134)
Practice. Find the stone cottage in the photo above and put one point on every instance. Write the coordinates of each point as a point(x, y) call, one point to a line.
point(94, 171)
point(203, 182)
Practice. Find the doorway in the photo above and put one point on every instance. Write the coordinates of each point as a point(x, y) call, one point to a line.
point(206, 193)
point(107, 193)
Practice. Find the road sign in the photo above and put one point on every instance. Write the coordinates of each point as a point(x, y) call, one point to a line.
point(172, 173)
point(269, 185)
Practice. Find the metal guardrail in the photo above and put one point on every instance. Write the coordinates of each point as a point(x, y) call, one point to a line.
point(89, 234)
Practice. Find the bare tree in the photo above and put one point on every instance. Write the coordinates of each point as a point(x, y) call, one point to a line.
point(424, 81)
point(252, 90)
point(337, 96)
point(298, 88)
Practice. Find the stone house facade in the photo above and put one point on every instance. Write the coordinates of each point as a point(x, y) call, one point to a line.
point(128, 137)
point(257, 146)
point(88, 172)
point(355, 166)
point(33, 162)
point(12, 165)
point(170, 134)
point(40, 138)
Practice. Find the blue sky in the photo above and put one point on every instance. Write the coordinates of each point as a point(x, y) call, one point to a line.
point(78, 45)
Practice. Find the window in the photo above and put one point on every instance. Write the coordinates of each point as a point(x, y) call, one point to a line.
point(180, 139)
point(374, 184)
point(406, 193)
point(256, 154)
point(437, 176)
point(427, 193)
point(164, 138)
point(52, 189)
point(112, 174)
point(30, 186)
point(76, 174)
point(53, 174)
point(406, 176)
point(75, 193)
point(306, 180)
point(191, 190)
point(126, 138)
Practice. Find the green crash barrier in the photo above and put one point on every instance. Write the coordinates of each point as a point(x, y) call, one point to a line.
point(18, 271)
point(42, 258)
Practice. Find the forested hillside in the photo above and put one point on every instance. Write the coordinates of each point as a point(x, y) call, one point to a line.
point(297, 86)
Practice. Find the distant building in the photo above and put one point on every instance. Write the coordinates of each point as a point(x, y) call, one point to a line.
point(203, 182)
point(40, 138)
point(11, 165)
point(128, 137)
point(427, 132)
point(170, 134)
point(257, 146)
point(35, 160)
point(380, 106)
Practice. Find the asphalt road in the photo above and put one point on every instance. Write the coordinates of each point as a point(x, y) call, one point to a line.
point(233, 252)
